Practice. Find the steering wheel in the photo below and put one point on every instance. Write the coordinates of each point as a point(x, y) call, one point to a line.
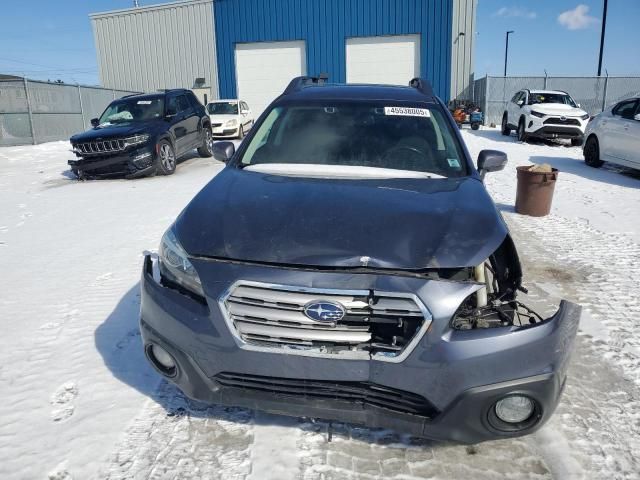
point(408, 158)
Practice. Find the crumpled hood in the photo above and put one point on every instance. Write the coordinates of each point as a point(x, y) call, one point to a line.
point(397, 223)
point(558, 109)
point(119, 130)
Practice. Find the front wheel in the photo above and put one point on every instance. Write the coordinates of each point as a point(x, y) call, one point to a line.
point(206, 149)
point(522, 135)
point(475, 126)
point(592, 153)
point(505, 126)
point(166, 158)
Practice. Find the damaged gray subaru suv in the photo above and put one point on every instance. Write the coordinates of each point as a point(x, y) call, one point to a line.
point(348, 264)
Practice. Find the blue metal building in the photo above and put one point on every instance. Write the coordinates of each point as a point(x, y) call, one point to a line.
point(326, 30)
point(251, 49)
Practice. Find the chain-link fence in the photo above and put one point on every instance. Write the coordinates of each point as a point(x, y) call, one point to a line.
point(36, 112)
point(593, 94)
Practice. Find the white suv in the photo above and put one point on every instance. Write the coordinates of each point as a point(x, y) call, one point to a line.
point(230, 118)
point(545, 114)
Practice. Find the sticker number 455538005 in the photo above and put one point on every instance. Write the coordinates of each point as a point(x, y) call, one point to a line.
point(407, 111)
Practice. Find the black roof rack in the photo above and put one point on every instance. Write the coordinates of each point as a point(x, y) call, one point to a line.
point(299, 82)
point(423, 86)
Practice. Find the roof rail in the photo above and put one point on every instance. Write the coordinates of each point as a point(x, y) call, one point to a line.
point(299, 82)
point(422, 85)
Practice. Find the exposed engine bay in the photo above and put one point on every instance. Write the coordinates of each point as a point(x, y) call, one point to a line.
point(494, 304)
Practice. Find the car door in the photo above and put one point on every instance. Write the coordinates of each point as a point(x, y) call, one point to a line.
point(191, 121)
point(513, 109)
point(247, 119)
point(632, 152)
point(178, 127)
point(619, 130)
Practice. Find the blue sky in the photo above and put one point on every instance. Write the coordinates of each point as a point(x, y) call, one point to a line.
point(561, 36)
point(52, 39)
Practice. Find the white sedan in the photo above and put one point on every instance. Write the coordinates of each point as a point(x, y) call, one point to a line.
point(614, 136)
point(230, 118)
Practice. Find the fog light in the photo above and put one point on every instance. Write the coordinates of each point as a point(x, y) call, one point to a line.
point(143, 160)
point(162, 360)
point(514, 409)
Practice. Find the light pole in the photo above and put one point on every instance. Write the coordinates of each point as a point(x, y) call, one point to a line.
point(506, 51)
point(604, 25)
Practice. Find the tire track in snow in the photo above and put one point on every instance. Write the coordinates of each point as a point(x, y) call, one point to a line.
point(596, 424)
point(175, 438)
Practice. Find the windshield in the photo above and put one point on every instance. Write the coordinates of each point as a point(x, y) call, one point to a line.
point(223, 108)
point(133, 110)
point(358, 135)
point(551, 98)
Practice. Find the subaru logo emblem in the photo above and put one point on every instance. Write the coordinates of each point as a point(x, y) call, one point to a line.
point(321, 311)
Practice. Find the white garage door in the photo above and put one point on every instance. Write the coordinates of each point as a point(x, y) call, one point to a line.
point(387, 60)
point(264, 69)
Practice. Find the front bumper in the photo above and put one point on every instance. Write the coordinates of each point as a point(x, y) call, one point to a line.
point(223, 131)
point(552, 127)
point(550, 132)
point(460, 374)
point(130, 164)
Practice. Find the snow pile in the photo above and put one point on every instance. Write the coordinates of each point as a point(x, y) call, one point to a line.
point(80, 400)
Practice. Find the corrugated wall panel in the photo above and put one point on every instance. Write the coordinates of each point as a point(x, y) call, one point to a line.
point(462, 64)
point(325, 25)
point(160, 46)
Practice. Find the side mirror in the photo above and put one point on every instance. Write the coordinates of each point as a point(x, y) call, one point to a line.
point(95, 122)
point(171, 112)
point(578, 105)
point(223, 151)
point(491, 161)
point(244, 112)
point(637, 117)
point(520, 103)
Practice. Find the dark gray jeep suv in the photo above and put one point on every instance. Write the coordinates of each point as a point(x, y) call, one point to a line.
point(348, 264)
point(141, 135)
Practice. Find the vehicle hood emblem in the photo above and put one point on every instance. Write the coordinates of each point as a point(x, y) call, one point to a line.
point(322, 311)
point(563, 118)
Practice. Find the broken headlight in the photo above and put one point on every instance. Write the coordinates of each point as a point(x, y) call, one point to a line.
point(494, 303)
point(175, 266)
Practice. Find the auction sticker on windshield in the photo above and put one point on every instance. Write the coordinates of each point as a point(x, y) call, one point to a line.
point(407, 111)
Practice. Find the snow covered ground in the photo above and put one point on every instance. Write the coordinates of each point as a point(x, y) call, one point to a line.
point(79, 400)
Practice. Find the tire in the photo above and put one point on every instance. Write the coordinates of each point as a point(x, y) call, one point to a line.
point(576, 142)
point(166, 162)
point(592, 153)
point(241, 132)
point(475, 126)
point(522, 135)
point(206, 150)
point(506, 131)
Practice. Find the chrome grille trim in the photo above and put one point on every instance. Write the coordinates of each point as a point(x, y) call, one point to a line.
point(270, 318)
point(101, 147)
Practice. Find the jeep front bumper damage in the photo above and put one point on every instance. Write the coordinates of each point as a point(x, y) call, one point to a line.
point(444, 389)
point(113, 165)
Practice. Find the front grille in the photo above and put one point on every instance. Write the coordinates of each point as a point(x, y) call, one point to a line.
point(216, 125)
point(559, 121)
point(363, 393)
point(274, 316)
point(100, 148)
